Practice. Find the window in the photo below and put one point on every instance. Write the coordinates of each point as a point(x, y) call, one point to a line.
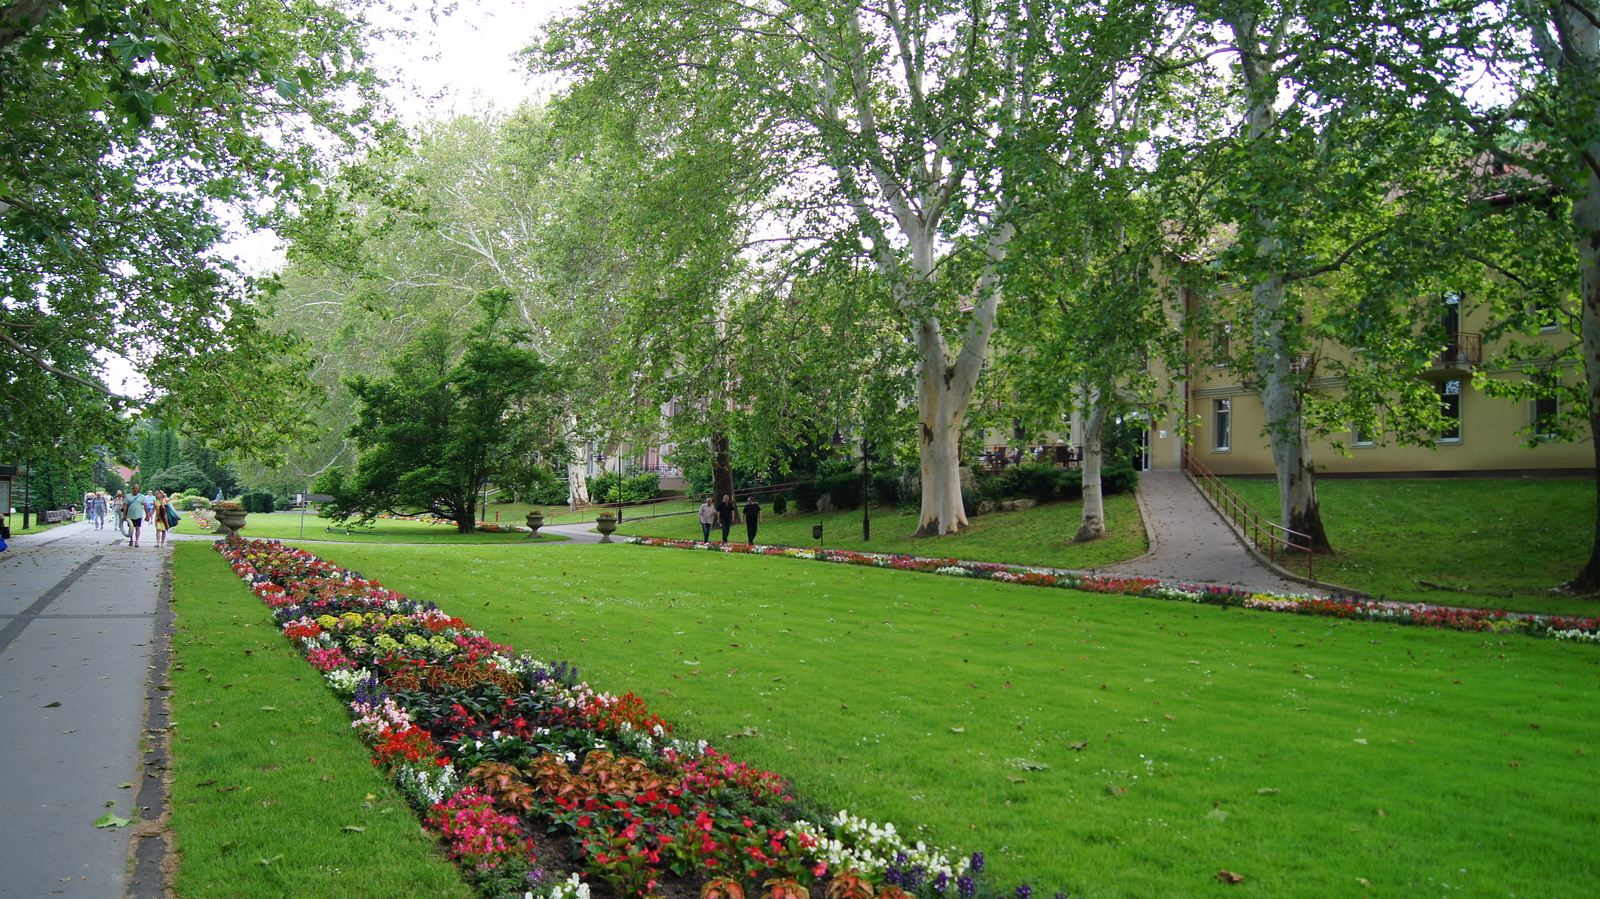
point(1360, 436)
point(1221, 425)
point(1450, 407)
point(1220, 344)
point(1545, 315)
point(1546, 407)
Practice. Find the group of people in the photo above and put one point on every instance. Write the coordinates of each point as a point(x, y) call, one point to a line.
point(136, 507)
point(724, 512)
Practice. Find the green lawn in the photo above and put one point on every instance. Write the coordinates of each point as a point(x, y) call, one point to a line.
point(1040, 536)
point(293, 526)
point(1106, 746)
point(1500, 542)
point(272, 794)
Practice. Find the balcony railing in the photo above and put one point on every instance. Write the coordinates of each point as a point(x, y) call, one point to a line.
point(1462, 349)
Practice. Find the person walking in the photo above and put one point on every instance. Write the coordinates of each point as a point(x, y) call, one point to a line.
point(161, 515)
point(118, 507)
point(138, 506)
point(95, 507)
point(752, 517)
point(708, 517)
point(725, 511)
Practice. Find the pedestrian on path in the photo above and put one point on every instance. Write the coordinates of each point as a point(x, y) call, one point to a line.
point(138, 505)
point(725, 512)
point(752, 517)
point(162, 516)
point(708, 517)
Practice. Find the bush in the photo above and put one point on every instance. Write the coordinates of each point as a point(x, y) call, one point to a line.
point(1040, 481)
point(258, 502)
point(780, 504)
point(805, 496)
point(886, 489)
point(545, 489)
point(1119, 479)
point(845, 489)
point(611, 487)
point(180, 478)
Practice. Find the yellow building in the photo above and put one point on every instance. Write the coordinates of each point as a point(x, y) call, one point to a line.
point(1488, 436)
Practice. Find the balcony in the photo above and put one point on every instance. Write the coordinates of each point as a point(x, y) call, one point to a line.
point(1462, 353)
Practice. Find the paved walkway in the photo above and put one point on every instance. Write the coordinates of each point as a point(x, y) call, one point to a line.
point(1190, 542)
point(82, 617)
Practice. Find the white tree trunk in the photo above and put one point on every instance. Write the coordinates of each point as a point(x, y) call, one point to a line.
point(1093, 524)
point(1583, 60)
point(1281, 403)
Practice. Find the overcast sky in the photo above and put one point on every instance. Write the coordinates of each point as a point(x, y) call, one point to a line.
point(461, 64)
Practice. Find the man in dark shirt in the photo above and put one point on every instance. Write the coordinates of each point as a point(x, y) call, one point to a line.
point(752, 517)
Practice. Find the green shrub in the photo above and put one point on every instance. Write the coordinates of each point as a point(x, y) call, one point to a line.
point(780, 504)
point(845, 489)
point(545, 489)
point(886, 489)
point(258, 502)
point(611, 487)
point(1119, 479)
point(805, 496)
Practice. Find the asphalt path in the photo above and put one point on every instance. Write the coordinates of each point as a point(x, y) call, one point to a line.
point(83, 630)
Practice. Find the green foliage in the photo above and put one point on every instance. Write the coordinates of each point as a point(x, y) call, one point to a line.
point(444, 423)
point(544, 488)
point(180, 478)
point(258, 502)
point(612, 487)
point(780, 504)
point(136, 133)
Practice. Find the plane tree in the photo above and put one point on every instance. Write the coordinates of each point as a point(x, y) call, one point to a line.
point(129, 134)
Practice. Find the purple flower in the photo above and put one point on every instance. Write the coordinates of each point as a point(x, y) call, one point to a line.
point(977, 862)
point(941, 883)
point(967, 887)
point(1024, 892)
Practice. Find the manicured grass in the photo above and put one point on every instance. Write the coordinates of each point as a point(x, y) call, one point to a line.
point(35, 524)
point(272, 794)
point(289, 526)
point(1106, 746)
point(1507, 541)
point(1040, 536)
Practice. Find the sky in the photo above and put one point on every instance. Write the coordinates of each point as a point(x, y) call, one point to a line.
point(460, 64)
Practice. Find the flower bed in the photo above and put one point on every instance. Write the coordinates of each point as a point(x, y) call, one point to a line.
point(1583, 630)
point(540, 786)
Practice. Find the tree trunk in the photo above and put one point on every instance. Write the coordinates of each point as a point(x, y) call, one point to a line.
point(721, 467)
point(939, 445)
point(1298, 507)
point(1586, 221)
point(1093, 525)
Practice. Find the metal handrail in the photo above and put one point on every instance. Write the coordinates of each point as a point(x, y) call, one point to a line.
point(1258, 529)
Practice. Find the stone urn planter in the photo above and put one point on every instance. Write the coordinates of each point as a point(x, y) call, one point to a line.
point(535, 522)
point(606, 524)
point(229, 522)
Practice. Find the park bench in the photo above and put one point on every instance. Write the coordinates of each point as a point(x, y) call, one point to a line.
point(56, 516)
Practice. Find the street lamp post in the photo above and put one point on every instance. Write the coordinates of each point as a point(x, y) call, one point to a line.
point(866, 493)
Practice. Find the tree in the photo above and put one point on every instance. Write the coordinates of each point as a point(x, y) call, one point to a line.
point(447, 420)
point(903, 125)
point(129, 134)
point(1340, 194)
